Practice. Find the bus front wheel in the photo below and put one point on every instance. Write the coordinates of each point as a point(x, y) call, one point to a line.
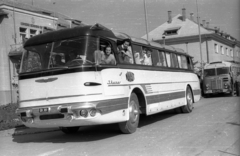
point(131, 125)
point(69, 130)
point(189, 98)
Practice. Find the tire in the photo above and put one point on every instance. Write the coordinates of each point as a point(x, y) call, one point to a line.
point(189, 98)
point(69, 130)
point(131, 125)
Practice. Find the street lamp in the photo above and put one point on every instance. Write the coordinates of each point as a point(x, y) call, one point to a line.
point(163, 37)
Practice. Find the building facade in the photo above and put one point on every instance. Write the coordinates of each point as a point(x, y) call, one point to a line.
point(183, 32)
point(19, 22)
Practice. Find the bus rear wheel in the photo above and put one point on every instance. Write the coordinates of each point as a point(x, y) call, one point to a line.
point(131, 125)
point(69, 130)
point(189, 98)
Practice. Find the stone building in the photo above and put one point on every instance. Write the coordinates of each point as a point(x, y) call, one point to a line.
point(182, 32)
point(18, 22)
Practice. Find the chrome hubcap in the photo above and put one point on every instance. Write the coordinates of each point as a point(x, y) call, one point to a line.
point(133, 112)
point(189, 100)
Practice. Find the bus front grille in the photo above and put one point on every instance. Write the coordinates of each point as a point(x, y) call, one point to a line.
point(216, 84)
point(51, 116)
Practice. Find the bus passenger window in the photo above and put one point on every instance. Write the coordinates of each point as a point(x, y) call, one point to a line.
point(174, 61)
point(189, 62)
point(147, 58)
point(184, 62)
point(169, 63)
point(137, 58)
point(107, 57)
point(179, 61)
point(161, 59)
point(125, 52)
point(137, 53)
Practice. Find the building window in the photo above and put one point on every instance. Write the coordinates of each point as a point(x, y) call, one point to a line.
point(216, 48)
point(221, 48)
point(33, 32)
point(23, 33)
point(231, 52)
point(171, 31)
point(226, 51)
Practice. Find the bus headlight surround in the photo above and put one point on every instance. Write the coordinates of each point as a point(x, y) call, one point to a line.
point(93, 112)
point(226, 85)
point(83, 113)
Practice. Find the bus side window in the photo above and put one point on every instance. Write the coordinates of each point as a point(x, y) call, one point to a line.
point(155, 57)
point(168, 57)
point(184, 62)
point(179, 61)
point(137, 53)
point(147, 58)
point(161, 59)
point(189, 62)
point(174, 61)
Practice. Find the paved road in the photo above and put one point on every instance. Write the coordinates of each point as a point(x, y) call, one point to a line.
point(213, 128)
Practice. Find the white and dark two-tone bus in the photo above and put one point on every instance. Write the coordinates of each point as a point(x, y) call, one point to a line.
point(63, 84)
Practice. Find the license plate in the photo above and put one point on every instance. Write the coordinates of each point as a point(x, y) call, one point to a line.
point(43, 110)
point(217, 90)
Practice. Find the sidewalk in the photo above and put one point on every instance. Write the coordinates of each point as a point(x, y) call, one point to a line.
point(25, 130)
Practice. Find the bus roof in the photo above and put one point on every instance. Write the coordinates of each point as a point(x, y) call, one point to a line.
point(95, 30)
point(218, 64)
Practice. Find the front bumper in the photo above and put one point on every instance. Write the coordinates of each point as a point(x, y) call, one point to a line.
point(67, 115)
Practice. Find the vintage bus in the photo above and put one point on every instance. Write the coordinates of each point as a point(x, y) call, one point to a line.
point(220, 77)
point(83, 91)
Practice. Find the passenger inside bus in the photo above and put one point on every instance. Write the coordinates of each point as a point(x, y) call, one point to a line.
point(107, 57)
point(137, 58)
point(147, 58)
point(125, 52)
point(58, 61)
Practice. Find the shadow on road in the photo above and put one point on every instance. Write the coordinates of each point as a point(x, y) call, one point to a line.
point(89, 133)
point(218, 95)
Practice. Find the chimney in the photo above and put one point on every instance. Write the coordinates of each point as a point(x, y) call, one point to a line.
point(203, 23)
point(184, 14)
point(169, 16)
point(216, 29)
point(191, 16)
point(207, 25)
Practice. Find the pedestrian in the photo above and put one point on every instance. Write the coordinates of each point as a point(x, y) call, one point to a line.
point(238, 84)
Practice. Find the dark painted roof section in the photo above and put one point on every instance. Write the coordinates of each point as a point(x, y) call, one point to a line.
point(68, 33)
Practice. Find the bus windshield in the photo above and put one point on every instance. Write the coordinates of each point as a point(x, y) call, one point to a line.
point(216, 71)
point(60, 54)
point(209, 72)
point(221, 71)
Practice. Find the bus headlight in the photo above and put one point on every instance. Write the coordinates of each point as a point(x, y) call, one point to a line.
point(93, 112)
point(225, 85)
point(83, 113)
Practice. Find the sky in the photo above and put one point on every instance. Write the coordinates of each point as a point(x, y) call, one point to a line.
point(128, 15)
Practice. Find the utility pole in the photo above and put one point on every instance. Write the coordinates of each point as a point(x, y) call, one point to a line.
point(200, 42)
point(146, 21)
